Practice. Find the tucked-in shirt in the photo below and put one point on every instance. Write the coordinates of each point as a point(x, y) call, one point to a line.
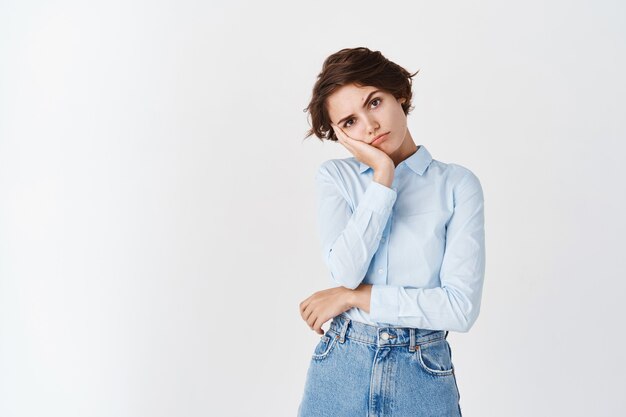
point(420, 242)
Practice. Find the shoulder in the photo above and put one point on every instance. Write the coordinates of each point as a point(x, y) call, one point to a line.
point(464, 182)
point(463, 175)
point(337, 169)
point(461, 180)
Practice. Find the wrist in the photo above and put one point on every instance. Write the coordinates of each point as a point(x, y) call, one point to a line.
point(360, 297)
point(351, 298)
point(384, 176)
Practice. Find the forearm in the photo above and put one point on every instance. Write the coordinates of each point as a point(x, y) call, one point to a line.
point(454, 306)
point(350, 233)
point(349, 253)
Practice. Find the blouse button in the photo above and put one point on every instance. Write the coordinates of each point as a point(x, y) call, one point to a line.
point(380, 271)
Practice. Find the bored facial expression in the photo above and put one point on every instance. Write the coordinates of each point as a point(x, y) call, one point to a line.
point(364, 113)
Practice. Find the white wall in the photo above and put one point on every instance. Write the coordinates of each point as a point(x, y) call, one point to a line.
point(157, 208)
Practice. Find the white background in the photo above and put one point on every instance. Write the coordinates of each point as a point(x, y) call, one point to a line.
point(157, 206)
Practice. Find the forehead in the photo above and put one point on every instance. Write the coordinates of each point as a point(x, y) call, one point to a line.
point(348, 98)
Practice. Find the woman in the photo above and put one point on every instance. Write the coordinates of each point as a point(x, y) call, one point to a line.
point(403, 237)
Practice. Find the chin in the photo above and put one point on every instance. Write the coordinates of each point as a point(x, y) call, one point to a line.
point(388, 147)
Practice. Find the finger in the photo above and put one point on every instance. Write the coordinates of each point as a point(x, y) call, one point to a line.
point(342, 134)
point(303, 305)
point(307, 300)
point(338, 132)
point(307, 313)
point(312, 316)
point(342, 138)
point(317, 326)
point(311, 321)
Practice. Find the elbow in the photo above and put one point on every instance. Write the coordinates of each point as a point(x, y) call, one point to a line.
point(465, 324)
point(344, 280)
point(344, 274)
point(467, 311)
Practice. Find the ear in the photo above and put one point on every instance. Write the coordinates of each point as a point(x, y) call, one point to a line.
point(402, 100)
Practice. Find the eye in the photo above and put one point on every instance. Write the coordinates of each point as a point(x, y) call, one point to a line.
point(377, 99)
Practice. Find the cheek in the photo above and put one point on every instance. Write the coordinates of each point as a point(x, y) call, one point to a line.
point(400, 117)
point(357, 133)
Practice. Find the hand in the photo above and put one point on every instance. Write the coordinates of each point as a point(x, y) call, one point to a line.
point(324, 305)
point(363, 151)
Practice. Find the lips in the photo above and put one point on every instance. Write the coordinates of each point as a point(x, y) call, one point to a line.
point(379, 138)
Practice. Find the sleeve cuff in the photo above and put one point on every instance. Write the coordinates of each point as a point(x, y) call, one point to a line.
point(384, 303)
point(378, 198)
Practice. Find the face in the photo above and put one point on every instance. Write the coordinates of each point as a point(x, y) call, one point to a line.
point(364, 113)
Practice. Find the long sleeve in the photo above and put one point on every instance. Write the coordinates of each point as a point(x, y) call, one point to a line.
point(350, 239)
point(454, 305)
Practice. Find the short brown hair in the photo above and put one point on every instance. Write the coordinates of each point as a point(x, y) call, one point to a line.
point(362, 67)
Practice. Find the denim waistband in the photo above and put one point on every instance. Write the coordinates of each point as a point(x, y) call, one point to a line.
point(344, 327)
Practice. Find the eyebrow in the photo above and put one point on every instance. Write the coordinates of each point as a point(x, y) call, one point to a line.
point(364, 104)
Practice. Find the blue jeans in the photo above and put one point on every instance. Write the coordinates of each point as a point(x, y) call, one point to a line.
point(359, 370)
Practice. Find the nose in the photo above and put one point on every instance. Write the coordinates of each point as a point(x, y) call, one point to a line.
point(371, 125)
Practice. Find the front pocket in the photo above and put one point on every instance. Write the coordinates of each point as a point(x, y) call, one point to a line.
point(435, 357)
point(325, 346)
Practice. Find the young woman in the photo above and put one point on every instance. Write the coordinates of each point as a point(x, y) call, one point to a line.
point(403, 237)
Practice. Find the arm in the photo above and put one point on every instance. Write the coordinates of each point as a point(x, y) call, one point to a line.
point(350, 239)
point(456, 303)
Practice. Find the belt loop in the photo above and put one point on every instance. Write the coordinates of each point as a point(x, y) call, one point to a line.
point(411, 340)
point(446, 336)
point(344, 328)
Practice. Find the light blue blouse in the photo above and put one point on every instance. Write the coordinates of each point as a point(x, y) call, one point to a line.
point(421, 243)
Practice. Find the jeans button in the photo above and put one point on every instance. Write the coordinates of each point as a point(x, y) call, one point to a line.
point(384, 335)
